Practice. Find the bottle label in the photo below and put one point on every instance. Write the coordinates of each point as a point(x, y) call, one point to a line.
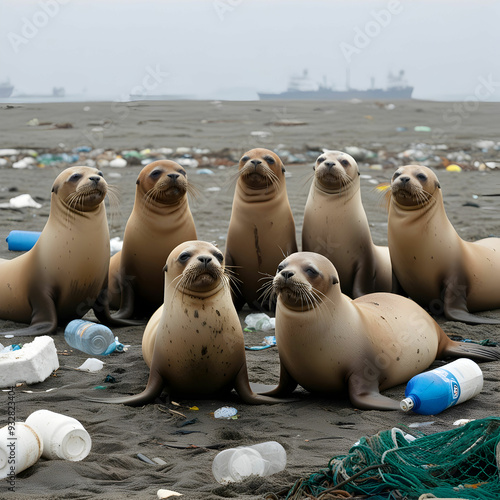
point(449, 378)
point(84, 329)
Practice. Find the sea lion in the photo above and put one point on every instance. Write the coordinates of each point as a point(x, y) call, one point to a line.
point(160, 220)
point(335, 225)
point(328, 342)
point(261, 229)
point(65, 274)
point(433, 265)
point(193, 343)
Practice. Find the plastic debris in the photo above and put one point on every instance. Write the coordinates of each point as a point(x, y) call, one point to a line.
point(206, 171)
point(118, 162)
point(226, 412)
point(33, 363)
point(422, 128)
point(145, 459)
point(159, 461)
point(115, 245)
point(91, 365)
point(167, 494)
point(21, 201)
point(260, 321)
point(454, 168)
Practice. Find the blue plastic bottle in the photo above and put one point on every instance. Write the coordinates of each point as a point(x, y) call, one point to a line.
point(431, 392)
point(20, 241)
point(92, 338)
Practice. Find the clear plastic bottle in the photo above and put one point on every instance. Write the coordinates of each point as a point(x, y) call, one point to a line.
point(92, 338)
point(431, 392)
point(235, 464)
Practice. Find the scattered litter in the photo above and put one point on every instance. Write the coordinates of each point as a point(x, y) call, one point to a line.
point(159, 461)
point(115, 245)
point(421, 424)
point(21, 241)
point(422, 128)
point(260, 322)
point(260, 133)
point(463, 421)
point(287, 123)
point(145, 459)
point(34, 122)
point(9, 348)
point(33, 363)
point(226, 412)
point(118, 162)
point(187, 162)
point(213, 189)
point(454, 168)
point(21, 201)
point(267, 342)
point(167, 493)
point(206, 171)
point(91, 365)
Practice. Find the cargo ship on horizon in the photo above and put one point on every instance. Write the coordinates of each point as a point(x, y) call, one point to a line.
point(302, 88)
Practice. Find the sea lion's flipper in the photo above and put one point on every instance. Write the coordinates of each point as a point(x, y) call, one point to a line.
point(285, 386)
point(127, 302)
point(469, 350)
point(153, 389)
point(242, 387)
point(103, 314)
point(43, 316)
point(365, 395)
point(455, 307)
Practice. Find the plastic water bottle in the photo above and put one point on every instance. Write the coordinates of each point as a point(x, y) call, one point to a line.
point(431, 392)
point(19, 241)
point(92, 338)
point(235, 464)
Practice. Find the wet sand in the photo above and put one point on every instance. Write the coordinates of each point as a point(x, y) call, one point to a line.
point(314, 428)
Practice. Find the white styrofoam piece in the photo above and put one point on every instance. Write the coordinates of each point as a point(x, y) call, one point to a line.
point(31, 364)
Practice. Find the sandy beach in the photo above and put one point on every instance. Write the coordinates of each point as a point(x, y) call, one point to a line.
point(314, 428)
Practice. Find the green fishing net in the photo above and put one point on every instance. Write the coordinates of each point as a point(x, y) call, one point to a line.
point(459, 463)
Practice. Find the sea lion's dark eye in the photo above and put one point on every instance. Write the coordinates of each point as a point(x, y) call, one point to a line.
point(345, 163)
point(421, 177)
point(311, 272)
point(281, 267)
point(75, 177)
point(269, 160)
point(155, 174)
point(245, 158)
point(184, 256)
point(320, 159)
point(219, 256)
point(182, 172)
point(396, 175)
point(100, 174)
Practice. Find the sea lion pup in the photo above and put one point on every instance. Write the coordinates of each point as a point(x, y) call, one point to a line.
point(335, 225)
point(160, 220)
point(193, 343)
point(65, 274)
point(328, 342)
point(261, 230)
point(433, 265)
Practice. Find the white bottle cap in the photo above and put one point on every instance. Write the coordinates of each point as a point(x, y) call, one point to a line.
point(63, 437)
point(407, 404)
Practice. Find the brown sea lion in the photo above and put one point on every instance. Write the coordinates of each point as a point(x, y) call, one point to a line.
point(335, 225)
point(193, 343)
point(160, 220)
point(433, 265)
point(65, 274)
point(261, 230)
point(328, 342)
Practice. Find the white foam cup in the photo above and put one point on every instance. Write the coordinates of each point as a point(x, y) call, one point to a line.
point(63, 437)
point(20, 448)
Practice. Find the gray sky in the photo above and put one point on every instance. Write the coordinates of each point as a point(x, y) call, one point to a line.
point(232, 48)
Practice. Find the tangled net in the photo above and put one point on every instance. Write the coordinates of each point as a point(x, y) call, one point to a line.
point(391, 465)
